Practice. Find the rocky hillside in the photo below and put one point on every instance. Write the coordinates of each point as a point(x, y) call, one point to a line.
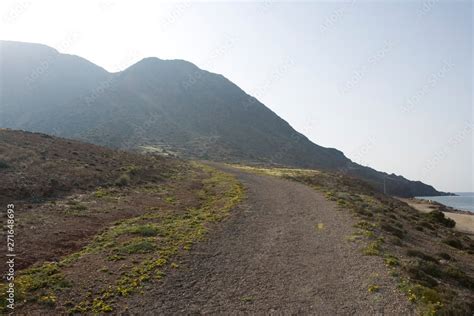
point(36, 167)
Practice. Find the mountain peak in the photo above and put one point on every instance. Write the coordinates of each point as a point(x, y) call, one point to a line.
point(158, 62)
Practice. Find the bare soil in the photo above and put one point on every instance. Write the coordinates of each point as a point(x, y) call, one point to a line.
point(285, 251)
point(54, 183)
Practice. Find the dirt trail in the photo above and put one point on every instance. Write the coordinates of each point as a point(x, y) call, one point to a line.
point(283, 251)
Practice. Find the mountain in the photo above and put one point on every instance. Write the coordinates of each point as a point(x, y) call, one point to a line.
point(166, 105)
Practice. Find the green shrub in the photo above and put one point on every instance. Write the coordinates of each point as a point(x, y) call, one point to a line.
point(419, 228)
point(395, 241)
point(79, 207)
point(3, 165)
point(460, 276)
point(133, 170)
point(457, 307)
point(374, 248)
point(391, 261)
point(373, 288)
point(365, 225)
point(427, 225)
point(416, 271)
point(439, 217)
point(138, 246)
point(430, 268)
point(455, 243)
point(123, 180)
point(100, 193)
point(429, 297)
point(421, 255)
point(444, 256)
point(393, 230)
point(455, 273)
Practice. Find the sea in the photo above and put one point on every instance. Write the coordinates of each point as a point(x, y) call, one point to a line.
point(463, 201)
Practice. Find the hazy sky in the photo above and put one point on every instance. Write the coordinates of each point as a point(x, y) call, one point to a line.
point(387, 82)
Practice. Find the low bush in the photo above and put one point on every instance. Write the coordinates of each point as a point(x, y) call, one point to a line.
point(417, 271)
point(455, 243)
point(439, 217)
point(444, 256)
point(100, 193)
point(427, 225)
point(137, 246)
point(374, 248)
point(79, 207)
point(459, 276)
point(123, 180)
point(393, 230)
point(391, 261)
point(421, 255)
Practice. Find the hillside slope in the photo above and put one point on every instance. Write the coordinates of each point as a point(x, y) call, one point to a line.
point(167, 105)
point(93, 225)
point(35, 167)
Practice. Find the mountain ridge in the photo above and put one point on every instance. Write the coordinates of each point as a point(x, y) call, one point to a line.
point(171, 105)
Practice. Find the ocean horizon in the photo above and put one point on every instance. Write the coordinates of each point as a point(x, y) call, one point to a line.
point(464, 201)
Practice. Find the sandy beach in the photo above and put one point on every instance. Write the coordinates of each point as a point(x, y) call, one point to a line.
point(464, 220)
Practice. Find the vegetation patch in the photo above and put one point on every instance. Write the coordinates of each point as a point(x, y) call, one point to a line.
point(38, 284)
point(131, 252)
point(100, 193)
point(421, 255)
point(247, 299)
point(454, 242)
point(439, 217)
point(4, 165)
point(391, 261)
point(373, 288)
point(429, 299)
point(145, 230)
point(319, 226)
point(374, 248)
point(393, 229)
point(123, 180)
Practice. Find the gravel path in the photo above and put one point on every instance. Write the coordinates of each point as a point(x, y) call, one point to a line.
point(283, 250)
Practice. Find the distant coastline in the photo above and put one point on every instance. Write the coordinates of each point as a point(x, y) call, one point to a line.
point(464, 219)
point(461, 201)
